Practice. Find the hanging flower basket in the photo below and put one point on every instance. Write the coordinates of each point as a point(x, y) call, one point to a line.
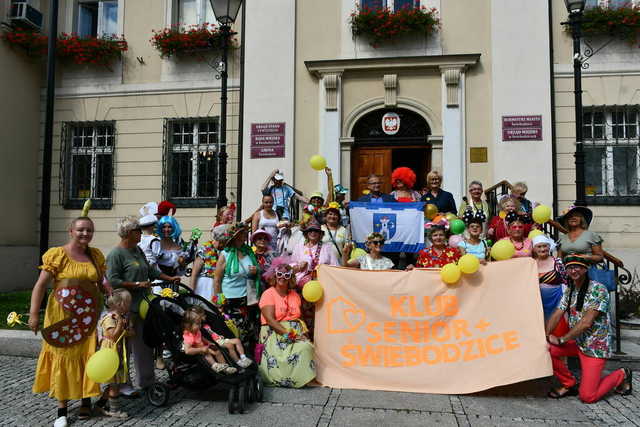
point(622, 22)
point(383, 25)
point(80, 50)
point(177, 39)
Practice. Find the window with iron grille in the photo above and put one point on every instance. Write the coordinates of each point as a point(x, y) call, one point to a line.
point(87, 164)
point(191, 161)
point(612, 4)
point(612, 154)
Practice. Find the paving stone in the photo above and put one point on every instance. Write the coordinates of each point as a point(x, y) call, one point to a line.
point(527, 407)
point(266, 414)
point(306, 396)
point(386, 417)
point(484, 420)
point(394, 400)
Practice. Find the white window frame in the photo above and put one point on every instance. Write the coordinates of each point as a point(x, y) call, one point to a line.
point(390, 4)
point(201, 12)
point(94, 150)
point(609, 142)
point(100, 31)
point(196, 149)
point(607, 3)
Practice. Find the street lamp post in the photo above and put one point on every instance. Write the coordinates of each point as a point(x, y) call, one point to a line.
point(226, 12)
point(575, 9)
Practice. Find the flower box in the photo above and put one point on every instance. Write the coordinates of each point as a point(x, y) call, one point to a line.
point(176, 40)
point(622, 22)
point(80, 50)
point(384, 25)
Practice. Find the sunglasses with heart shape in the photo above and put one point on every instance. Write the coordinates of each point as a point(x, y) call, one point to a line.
point(283, 275)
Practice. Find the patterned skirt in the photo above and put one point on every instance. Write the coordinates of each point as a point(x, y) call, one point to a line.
point(285, 363)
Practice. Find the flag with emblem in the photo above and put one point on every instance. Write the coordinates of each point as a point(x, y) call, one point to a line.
point(401, 224)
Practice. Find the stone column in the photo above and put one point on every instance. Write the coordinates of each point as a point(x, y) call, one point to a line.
point(453, 141)
point(330, 125)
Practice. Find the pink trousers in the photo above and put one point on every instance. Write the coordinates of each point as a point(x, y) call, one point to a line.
point(592, 385)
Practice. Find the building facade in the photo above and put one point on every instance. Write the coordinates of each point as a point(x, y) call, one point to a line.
point(146, 129)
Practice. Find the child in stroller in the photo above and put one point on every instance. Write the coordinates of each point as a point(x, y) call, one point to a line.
point(233, 345)
point(194, 344)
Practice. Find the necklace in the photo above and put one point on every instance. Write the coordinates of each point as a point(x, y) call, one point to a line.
point(516, 246)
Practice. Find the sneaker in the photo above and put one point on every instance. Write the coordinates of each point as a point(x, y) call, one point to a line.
point(60, 422)
point(219, 367)
point(244, 362)
point(230, 369)
point(116, 414)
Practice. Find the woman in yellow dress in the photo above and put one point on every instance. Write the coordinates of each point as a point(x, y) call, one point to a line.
point(70, 319)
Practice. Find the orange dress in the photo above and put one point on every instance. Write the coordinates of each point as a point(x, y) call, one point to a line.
point(61, 369)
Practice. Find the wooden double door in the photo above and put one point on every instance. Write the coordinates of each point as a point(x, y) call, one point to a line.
point(382, 160)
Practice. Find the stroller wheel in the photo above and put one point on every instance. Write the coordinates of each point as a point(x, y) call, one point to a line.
point(158, 394)
point(242, 390)
point(259, 388)
point(251, 390)
point(231, 399)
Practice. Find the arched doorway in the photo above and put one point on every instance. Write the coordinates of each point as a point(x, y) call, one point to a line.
point(376, 151)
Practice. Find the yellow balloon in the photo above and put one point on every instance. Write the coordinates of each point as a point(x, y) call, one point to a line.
point(535, 233)
point(312, 291)
point(144, 307)
point(541, 214)
point(318, 162)
point(450, 273)
point(502, 214)
point(356, 253)
point(468, 263)
point(103, 365)
point(451, 216)
point(430, 211)
point(503, 249)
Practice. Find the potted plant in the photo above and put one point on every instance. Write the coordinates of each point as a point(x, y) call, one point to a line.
point(622, 22)
point(384, 25)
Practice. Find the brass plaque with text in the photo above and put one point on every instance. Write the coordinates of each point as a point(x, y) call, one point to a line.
point(478, 155)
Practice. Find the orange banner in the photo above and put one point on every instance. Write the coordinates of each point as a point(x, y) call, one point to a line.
point(408, 331)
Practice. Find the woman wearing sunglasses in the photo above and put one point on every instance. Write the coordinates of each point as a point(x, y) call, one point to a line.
point(371, 261)
point(287, 355)
point(516, 229)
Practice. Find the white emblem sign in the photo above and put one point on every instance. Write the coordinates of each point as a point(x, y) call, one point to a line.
point(391, 123)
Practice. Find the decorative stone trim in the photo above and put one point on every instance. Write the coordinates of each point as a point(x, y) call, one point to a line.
point(452, 80)
point(390, 82)
point(331, 83)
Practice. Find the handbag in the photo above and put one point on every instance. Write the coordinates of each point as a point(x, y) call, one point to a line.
point(606, 277)
point(252, 292)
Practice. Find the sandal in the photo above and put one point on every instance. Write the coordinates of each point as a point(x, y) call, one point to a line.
point(628, 381)
point(571, 391)
point(84, 413)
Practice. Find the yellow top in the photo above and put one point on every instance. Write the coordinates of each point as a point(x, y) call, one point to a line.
point(61, 370)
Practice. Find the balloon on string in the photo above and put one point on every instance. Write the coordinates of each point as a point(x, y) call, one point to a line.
point(502, 214)
point(103, 365)
point(357, 253)
point(541, 214)
point(451, 217)
point(533, 233)
point(144, 306)
point(457, 226)
point(502, 250)
point(430, 211)
point(318, 162)
point(312, 291)
point(450, 273)
point(468, 264)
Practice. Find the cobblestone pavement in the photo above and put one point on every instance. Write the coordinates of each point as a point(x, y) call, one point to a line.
point(522, 404)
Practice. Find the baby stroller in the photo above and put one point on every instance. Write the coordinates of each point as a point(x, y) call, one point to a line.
point(163, 331)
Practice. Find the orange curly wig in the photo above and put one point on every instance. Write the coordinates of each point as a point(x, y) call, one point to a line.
point(405, 175)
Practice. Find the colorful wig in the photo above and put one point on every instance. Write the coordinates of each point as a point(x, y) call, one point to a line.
point(405, 175)
point(176, 231)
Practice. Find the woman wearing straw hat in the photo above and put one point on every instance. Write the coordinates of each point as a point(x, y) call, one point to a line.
point(586, 303)
point(237, 277)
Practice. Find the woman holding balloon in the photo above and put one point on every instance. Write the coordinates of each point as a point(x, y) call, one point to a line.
point(76, 271)
point(516, 229)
